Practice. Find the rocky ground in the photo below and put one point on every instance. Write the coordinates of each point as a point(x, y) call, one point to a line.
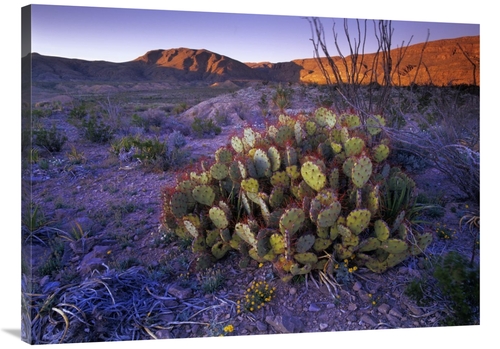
point(138, 283)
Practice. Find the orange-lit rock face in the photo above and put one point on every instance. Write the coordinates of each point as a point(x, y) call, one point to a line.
point(442, 62)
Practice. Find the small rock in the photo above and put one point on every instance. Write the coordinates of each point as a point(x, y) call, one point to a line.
point(323, 327)
point(414, 309)
point(357, 286)
point(292, 291)
point(384, 308)
point(314, 307)
point(179, 292)
point(352, 318)
point(395, 312)
point(261, 326)
point(163, 334)
point(365, 296)
point(393, 320)
point(285, 324)
point(368, 320)
point(352, 307)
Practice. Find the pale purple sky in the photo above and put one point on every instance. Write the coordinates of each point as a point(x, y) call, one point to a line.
point(119, 35)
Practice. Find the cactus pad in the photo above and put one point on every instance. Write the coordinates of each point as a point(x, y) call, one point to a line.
point(328, 216)
point(220, 249)
point(280, 179)
point(361, 171)
point(244, 232)
point(304, 243)
point(237, 144)
point(369, 244)
point(274, 156)
point(277, 242)
point(381, 230)
point(218, 217)
point(354, 146)
point(321, 244)
point(292, 172)
point(204, 194)
point(219, 171)
point(310, 128)
point(262, 163)
point(358, 220)
point(375, 124)
point(394, 246)
point(250, 185)
point(296, 269)
point(223, 155)
point(291, 221)
point(313, 175)
point(179, 204)
point(306, 258)
point(325, 117)
point(380, 152)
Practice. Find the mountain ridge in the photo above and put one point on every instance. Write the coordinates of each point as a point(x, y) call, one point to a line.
point(442, 62)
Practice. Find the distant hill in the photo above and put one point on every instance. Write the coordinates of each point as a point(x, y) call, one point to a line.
point(443, 63)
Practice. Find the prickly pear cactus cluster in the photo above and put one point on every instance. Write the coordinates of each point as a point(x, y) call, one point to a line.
point(306, 192)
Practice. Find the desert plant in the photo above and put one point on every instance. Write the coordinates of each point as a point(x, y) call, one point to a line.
point(222, 118)
point(210, 280)
point(96, 130)
point(205, 127)
point(256, 296)
point(76, 157)
point(152, 152)
point(50, 139)
point(79, 112)
point(356, 81)
point(150, 119)
point(452, 283)
point(263, 104)
point(306, 189)
point(179, 108)
point(282, 97)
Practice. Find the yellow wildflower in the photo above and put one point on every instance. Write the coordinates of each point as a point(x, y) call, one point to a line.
point(229, 328)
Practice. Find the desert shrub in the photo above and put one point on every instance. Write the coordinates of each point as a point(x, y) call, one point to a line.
point(446, 134)
point(79, 112)
point(180, 108)
point(173, 124)
point(50, 139)
point(222, 118)
point(455, 280)
point(152, 152)
point(96, 130)
point(459, 282)
point(282, 97)
point(150, 119)
point(205, 127)
point(41, 113)
point(263, 104)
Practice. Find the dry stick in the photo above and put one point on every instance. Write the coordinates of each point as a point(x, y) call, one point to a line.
point(474, 66)
point(421, 56)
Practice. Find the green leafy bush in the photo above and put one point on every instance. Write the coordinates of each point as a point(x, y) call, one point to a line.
point(205, 127)
point(79, 112)
point(152, 152)
point(458, 280)
point(451, 279)
point(96, 130)
point(50, 139)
